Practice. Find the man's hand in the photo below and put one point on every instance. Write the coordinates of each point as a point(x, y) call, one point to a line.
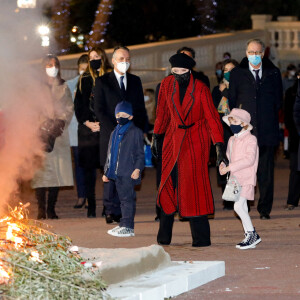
point(135, 174)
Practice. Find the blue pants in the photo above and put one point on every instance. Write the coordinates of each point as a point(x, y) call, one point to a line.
point(79, 175)
point(120, 198)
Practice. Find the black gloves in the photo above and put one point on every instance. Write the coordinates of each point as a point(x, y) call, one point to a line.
point(49, 131)
point(156, 145)
point(221, 154)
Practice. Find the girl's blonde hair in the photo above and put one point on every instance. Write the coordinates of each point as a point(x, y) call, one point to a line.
point(245, 126)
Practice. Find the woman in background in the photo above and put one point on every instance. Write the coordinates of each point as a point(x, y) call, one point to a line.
point(56, 170)
point(88, 125)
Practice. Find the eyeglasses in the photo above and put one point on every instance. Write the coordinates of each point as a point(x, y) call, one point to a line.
point(255, 52)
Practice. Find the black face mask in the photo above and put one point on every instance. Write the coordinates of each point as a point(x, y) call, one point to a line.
point(182, 78)
point(122, 121)
point(95, 64)
point(236, 128)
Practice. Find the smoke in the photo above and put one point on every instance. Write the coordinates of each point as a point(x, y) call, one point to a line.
point(23, 101)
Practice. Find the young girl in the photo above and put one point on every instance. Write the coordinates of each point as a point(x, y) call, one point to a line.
point(242, 151)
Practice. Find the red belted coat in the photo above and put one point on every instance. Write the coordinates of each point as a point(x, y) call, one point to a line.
point(188, 129)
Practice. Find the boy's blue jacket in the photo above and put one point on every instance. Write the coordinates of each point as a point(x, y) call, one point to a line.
point(131, 153)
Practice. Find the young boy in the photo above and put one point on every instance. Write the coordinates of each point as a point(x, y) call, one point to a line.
point(124, 164)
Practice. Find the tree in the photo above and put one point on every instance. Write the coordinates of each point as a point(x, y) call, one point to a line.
point(60, 25)
point(99, 28)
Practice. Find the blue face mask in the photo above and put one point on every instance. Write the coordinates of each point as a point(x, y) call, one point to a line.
point(122, 121)
point(235, 128)
point(227, 76)
point(219, 73)
point(254, 59)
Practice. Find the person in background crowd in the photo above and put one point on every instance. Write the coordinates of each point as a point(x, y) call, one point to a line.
point(82, 65)
point(188, 121)
point(220, 98)
point(150, 105)
point(88, 125)
point(56, 169)
point(289, 77)
point(112, 88)
point(294, 180)
point(226, 55)
point(197, 74)
point(218, 71)
point(256, 86)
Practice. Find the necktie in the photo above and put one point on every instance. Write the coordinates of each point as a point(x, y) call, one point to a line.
point(257, 78)
point(122, 86)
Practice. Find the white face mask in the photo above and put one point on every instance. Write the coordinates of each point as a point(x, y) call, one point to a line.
point(146, 98)
point(81, 72)
point(123, 66)
point(52, 72)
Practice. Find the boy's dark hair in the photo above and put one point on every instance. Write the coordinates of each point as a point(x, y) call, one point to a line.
point(83, 59)
point(191, 50)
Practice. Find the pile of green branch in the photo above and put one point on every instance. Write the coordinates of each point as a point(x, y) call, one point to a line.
point(57, 274)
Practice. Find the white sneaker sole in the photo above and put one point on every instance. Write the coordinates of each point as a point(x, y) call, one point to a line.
point(250, 246)
point(121, 235)
point(112, 230)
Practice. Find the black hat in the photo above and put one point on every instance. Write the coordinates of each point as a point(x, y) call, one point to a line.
point(182, 60)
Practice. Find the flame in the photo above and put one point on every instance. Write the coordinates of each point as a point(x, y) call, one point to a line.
point(4, 276)
point(10, 236)
point(34, 256)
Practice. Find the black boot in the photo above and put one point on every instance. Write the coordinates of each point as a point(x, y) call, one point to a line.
point(52, 199)
point(40, 194)
point(91, 213)
point(200, 231)
point(164, 235)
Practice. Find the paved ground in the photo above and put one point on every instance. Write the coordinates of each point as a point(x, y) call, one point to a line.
point(271, 271)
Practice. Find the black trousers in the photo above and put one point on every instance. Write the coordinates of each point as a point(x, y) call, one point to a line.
point(294, 182)
point(111, 200)
point(90, 183)
point(265, 179)
point(200, 230)
point(40, 194)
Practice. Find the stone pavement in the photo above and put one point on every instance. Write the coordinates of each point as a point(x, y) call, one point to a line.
point(271, 271)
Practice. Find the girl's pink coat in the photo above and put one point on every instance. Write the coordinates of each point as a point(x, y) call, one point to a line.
point(244, 158)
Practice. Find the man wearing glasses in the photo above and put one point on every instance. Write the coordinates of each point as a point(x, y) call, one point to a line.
point(256, 86)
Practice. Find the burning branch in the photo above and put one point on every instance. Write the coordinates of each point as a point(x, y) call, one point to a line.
point(37, 264)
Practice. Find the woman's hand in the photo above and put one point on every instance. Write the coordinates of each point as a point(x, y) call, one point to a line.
point(94, 126)
point(135, 174)
point(223, 86)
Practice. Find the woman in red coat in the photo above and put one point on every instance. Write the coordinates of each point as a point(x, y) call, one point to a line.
point(187, 121)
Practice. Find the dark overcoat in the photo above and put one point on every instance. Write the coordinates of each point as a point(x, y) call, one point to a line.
point(88, 141)
point(189, 147)
point(261, 101)
point(107, 95)
point(297, 118)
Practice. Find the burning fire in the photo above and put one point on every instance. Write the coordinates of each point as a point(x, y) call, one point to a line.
point(14, 238)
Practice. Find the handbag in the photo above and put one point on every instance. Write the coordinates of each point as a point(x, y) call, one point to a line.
point(233, 189)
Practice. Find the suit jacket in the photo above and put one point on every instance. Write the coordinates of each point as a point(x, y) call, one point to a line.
point(262, 101)
point(107, 95)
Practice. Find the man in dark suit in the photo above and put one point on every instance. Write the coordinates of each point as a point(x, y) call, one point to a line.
point(197, 74)
point(110, 89)
point(256, 86)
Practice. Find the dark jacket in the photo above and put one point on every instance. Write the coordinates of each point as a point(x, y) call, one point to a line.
point(262, 102)
point(289, 102)
point(107, 96)
point(88, 141)
point(131, 153)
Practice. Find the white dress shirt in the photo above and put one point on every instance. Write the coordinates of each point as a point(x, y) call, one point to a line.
point(118, 76)
point(253, 72)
